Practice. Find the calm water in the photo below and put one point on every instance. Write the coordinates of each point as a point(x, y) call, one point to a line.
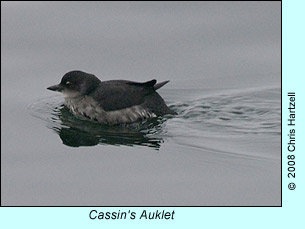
point(223, 61)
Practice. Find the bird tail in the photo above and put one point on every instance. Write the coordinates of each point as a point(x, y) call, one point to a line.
point(159, 85)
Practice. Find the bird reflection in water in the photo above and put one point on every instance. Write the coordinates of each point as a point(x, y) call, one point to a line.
point(76, 132)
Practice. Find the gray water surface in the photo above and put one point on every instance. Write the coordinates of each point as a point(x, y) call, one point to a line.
point(224, 63)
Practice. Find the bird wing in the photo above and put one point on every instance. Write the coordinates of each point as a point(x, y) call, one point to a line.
point(119, 94)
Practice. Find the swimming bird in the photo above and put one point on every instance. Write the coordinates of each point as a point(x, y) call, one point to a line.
point(113, 101)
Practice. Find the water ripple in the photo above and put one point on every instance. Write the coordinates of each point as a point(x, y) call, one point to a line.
point(245, 113)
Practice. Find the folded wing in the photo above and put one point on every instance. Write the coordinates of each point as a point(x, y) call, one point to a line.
point(119, 94)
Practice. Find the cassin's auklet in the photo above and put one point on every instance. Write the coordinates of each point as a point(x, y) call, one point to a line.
point(111, 102)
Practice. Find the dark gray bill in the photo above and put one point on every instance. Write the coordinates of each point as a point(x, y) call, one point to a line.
point(55, 88)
